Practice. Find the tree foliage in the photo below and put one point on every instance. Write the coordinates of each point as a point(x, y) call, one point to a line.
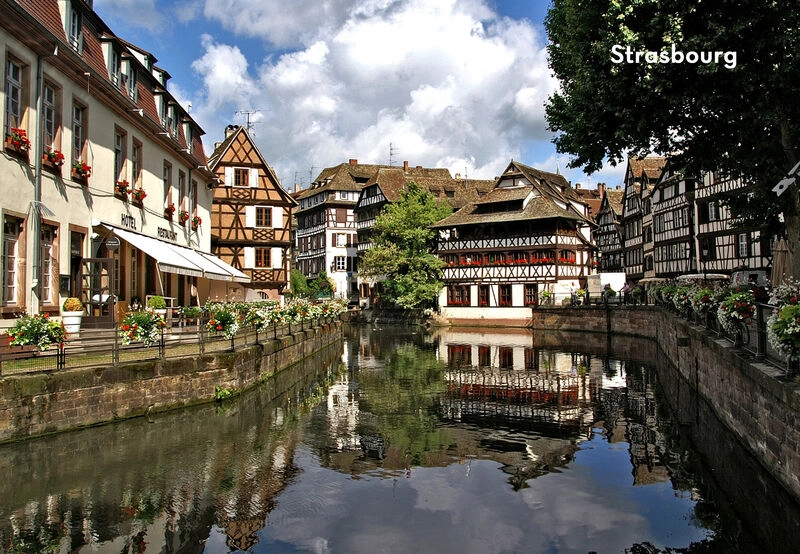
point(744, 120)
point(402, 252)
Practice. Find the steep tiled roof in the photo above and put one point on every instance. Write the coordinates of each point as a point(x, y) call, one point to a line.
point(615, 198)
point(343, 177)
point(650, 166)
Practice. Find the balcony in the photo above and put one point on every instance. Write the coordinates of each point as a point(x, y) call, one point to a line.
point(516, 272)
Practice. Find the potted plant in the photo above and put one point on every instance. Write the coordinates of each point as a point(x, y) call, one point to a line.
point(138, 195)
point(54, 158)
point(81, 170)
point(72, 314)
point(37, 330)
point(224, 320)
point(183, 216)
point(142, 326)
point(158, 304)
point(169, 211)
point(121, 188)
point(196, 221)
point(18, 140)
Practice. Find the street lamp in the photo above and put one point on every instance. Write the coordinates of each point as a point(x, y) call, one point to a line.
point(704, 252)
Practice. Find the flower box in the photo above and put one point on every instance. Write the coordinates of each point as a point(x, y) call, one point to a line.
point(138, 196)
point(81, 171)
point(183, 217)
point(169, 211)
point(122, 190)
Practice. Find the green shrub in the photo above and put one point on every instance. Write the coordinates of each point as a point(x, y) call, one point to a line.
point(157, 303)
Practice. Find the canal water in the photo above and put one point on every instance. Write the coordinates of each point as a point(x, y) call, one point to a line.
point(400, 441)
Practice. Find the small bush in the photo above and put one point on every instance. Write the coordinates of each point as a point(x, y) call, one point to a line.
point(72, 304)
point(156, 303)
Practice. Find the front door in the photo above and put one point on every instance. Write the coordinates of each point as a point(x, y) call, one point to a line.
point(97, 279)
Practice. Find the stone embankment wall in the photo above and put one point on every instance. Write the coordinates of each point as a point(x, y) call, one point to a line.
point(753, 399)
point(32, 405)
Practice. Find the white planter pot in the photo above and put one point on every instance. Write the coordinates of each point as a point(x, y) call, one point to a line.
point(72, 321)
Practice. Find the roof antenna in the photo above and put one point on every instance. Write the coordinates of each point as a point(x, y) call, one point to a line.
point(247, 114)
point(392, 152)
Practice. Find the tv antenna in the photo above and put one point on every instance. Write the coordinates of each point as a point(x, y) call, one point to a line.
point(247, 114)
point(392, 152)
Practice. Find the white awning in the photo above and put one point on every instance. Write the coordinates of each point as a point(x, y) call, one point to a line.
point(181, 260)
point(162, 252)
point(238, 276)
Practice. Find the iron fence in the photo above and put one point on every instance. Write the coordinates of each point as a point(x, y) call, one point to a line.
point(104, 348)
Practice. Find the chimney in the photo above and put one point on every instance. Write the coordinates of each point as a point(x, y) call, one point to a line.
point(419, 167)
point(297, 187)
point(458, 176)
point(230, 129)
point(601, 189)
point(353, 161)
point(405, 165)
point(577, 186)
point(618, 187)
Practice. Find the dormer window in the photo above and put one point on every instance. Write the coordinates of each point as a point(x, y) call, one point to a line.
point(115, 66)
point(75, 30)
point(131, 82)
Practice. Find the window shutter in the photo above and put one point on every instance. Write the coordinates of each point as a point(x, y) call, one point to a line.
point(277, 258)
point(277, 217)
point(249, 216)
point(253, 178)
point(228, 176)
point(249, 257)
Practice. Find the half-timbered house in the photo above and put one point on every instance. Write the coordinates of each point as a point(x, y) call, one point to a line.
point(608, 233)
point(326, 237)
point(529, 235)
point(251, 219)
point(673, 224)
point(640, 174)
point(721, 248)
point(387, 185)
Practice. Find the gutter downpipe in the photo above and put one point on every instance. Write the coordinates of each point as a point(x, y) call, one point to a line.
point(37, 187)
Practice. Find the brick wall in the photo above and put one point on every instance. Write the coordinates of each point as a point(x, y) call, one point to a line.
point(32, 405)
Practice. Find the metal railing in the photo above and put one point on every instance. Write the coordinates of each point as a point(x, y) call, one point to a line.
point(103, 348)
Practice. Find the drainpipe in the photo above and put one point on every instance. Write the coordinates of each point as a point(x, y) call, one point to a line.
point(37, 187)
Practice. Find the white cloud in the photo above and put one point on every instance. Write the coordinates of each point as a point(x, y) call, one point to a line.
point(447, 83)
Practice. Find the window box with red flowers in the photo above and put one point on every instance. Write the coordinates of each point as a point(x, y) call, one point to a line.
point(138, 196)
point(121, 189)
point(169, 211)
point(196, 221)
point(183, 217)
point(81, 171)
point(17, 142)
point(53, 159)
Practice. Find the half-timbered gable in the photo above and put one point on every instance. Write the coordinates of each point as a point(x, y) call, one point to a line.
point(252, 215)
point(608, 234)
point(640, 174)
point(528, 235)
point(721, 248)
point(673, 225)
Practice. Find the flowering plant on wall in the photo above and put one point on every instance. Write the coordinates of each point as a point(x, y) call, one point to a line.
point(224, 319)
point(169, 211)
point(196, 221)
point(738, 306)
point(138, 195)
point(143, 327)
point(81, 169)
point(183, 216)
point(55, 157)
point(38, 330)
point(121, 188)
point(783, 326)
point(19, 139)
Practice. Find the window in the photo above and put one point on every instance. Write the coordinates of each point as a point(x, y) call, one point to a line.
point(12, 229)
point(506, 355)
point(459, 355)
point(136, 163)
point(531, 293)
point(341, 215)
point(341, 239)
point(78, 132)
point(743, 245)
point(708, 249)
point(484, 356)
point(167, 179)
point(193, 200)
point(120, 147)
point(182, 191)
point(483, 295)
point(134, 271)
point(263, 257)
point(46, 251)
point(114, 66)
point(131, 85)
point(530, 359)
point(340, 263)
point(50, 117)
point(713, 211)
point(263, 216)
point(74, 30)
point(343, 195)
point(14, 106)
point(241, 177)
point(505, 295)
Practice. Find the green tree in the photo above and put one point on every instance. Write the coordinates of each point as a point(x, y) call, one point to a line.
point(299, 284)
point(742, 120)
point(402, 249)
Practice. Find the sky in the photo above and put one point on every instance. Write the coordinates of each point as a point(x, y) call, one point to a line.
point(459, 84)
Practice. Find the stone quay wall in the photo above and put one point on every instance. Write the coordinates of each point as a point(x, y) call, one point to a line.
point(755, 400)
point(40, 404)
